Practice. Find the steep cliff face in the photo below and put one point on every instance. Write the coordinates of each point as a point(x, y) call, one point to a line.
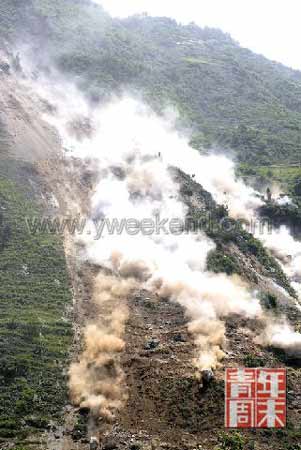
point(24, 135)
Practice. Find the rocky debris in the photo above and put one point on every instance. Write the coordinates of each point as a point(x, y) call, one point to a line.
point(166, 400)
point(152, 344)
point(94, 443)
point(110, 444)
point(84, 410)
point(179, 338)
point(207, 376)
point(80, 128)
point(119, 172)
point(77, 434)
point(136, 446)
point(36, 422)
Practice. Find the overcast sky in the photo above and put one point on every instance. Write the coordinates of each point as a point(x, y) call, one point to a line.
point(269, 27)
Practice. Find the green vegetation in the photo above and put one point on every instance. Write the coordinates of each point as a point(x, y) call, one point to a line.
point(288, 215)
point(20, 447)
point(226, 94)
point(288, 178)
point(289, 437)
point(214, 220)
point(80, 428)
point(269, 301)
point(284, 175)
point(253, 247)
point(232, 441)
point(251, 360)
point(225, 231)
point(218, 261)
point(35, 334)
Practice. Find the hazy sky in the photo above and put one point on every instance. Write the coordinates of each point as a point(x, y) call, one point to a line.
point(269, 27)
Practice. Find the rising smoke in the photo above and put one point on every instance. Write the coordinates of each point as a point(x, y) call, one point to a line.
point(96, 381)
point(281, 336)
point(132, 150)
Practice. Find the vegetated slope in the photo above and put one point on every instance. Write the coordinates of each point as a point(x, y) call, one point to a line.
point(35, 330)
point(237, 251)
point(227, 94)
point(34, 334)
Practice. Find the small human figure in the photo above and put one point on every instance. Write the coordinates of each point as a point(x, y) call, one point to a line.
point(16, 63)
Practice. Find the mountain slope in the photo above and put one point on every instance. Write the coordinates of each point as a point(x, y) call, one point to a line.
point(35, 296)
point(228, 95)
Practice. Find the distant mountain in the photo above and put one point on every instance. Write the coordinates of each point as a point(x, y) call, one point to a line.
point(230, 96)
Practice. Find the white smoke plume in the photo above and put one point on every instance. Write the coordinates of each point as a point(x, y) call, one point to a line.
point(285, 248)
point(132, 150)
point(285, 200)
point(281, 336)
point(172, 266)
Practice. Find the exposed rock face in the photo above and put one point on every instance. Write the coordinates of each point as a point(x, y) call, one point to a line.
point(23, 133)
